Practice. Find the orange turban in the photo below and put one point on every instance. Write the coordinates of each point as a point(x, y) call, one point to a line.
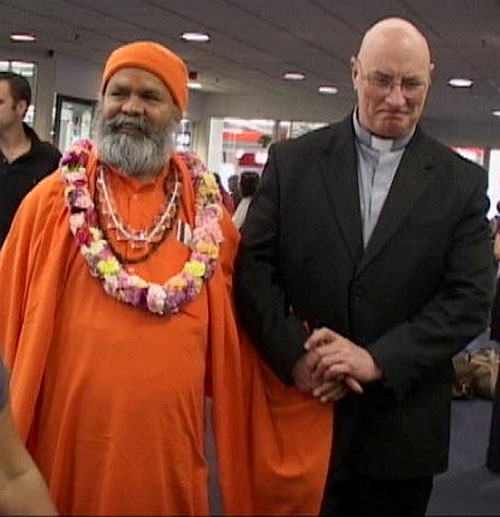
point(156, 59)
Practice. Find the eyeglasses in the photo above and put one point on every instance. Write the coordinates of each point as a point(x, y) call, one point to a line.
point(384, 83)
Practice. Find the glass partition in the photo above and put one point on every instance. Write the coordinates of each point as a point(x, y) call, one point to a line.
point(73, 121)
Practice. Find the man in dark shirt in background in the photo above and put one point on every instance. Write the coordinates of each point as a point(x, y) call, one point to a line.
point(24, 159)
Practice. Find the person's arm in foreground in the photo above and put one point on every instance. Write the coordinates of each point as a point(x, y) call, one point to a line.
point(22, 489)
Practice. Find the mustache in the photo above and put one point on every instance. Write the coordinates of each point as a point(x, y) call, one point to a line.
point(121, 121)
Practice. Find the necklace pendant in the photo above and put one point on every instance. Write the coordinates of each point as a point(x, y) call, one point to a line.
point(120, 237)
point(137, 245)
point(110, 225)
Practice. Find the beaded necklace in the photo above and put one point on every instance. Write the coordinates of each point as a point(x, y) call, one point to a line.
point(103, 264)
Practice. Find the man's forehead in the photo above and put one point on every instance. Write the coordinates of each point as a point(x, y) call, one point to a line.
point(391, 43)
point(394, 70)
point(5, 90)
point(396, 59)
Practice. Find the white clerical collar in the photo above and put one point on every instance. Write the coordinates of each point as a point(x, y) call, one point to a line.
point(382, 145)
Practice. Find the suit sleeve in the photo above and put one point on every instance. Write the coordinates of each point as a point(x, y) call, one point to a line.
point(275, 331)
point(457, 313)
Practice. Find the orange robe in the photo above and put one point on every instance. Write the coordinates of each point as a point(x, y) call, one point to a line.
point(110, 398)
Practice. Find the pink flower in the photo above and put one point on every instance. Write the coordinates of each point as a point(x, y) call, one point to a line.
point(83, 236)
point(82, 159)
point(84, 144)
point(69, 159)
point(82, 200)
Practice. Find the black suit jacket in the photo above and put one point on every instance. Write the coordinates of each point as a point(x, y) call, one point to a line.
point(418, 293)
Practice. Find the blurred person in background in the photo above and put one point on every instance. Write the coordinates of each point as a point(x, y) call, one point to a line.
point(233, 183)
point(493, 452)
point(227, 199)
point(24, 159)
point(249, 181)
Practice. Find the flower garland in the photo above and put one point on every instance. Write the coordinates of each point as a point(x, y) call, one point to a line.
point(205, 243)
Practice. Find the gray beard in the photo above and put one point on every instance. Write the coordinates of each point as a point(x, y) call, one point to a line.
point(142, 155)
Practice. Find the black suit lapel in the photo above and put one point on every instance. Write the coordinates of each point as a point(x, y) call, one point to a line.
point(339, 170)
point(411, 180)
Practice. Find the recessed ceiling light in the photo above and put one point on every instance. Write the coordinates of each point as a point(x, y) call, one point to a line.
point(194, 85)
point(199, 37)
point(23, 64)
point(496, 113)
point(22, 37)
point(294, 76)
point(460, 82)
point(328, 90)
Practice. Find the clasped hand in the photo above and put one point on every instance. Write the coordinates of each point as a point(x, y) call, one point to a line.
point(332, 366)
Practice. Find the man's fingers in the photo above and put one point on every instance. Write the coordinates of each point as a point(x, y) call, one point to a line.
point(320, 368)
point(312, 359)
point(337, 370)
point(319, 336)
point(327, 387)
point(334, 394)
point(334, 397)
point(354, 385)
point(329, 391)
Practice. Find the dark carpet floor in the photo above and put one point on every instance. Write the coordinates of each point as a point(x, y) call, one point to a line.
point(468, 487)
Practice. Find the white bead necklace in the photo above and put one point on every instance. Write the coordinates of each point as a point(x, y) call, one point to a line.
point(141, 237)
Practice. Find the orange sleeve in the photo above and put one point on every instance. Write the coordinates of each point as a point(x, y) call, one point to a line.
point(273, 443)
point(32, 263)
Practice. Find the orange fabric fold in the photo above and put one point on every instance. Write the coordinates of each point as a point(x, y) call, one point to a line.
point(110, 398)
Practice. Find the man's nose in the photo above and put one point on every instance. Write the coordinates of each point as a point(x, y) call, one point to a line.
point(133, 105)
point(396, 97)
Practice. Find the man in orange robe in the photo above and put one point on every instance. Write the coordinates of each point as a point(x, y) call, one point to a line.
point(116, 334)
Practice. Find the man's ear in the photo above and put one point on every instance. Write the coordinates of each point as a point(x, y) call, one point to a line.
point(21, 108)
point(432, 67)
point(354, 68)
point(354, 71)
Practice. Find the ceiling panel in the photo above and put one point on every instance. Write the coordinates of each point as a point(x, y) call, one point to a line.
point(254, 42)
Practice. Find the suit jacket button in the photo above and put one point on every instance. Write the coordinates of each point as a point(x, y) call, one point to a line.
point(358, 294)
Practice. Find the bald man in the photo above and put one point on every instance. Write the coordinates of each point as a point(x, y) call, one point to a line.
point(365, 265)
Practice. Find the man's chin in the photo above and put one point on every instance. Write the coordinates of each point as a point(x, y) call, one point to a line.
point(393, 129)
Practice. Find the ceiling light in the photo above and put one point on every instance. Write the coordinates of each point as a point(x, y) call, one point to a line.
point(328, 90)
point(496, 113)
point(199, 37)
point(22, 37)
point(23, 64)
point(194, 85)
point(460, 82)
point(294, 76)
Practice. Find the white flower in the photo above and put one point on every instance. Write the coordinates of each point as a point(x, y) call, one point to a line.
point(156, 298)
point(76, 221)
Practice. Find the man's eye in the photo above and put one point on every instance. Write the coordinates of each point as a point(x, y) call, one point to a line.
point(382, 80)
point(412, 83)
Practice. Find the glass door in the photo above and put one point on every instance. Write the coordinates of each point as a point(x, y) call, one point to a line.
point(73, 120)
